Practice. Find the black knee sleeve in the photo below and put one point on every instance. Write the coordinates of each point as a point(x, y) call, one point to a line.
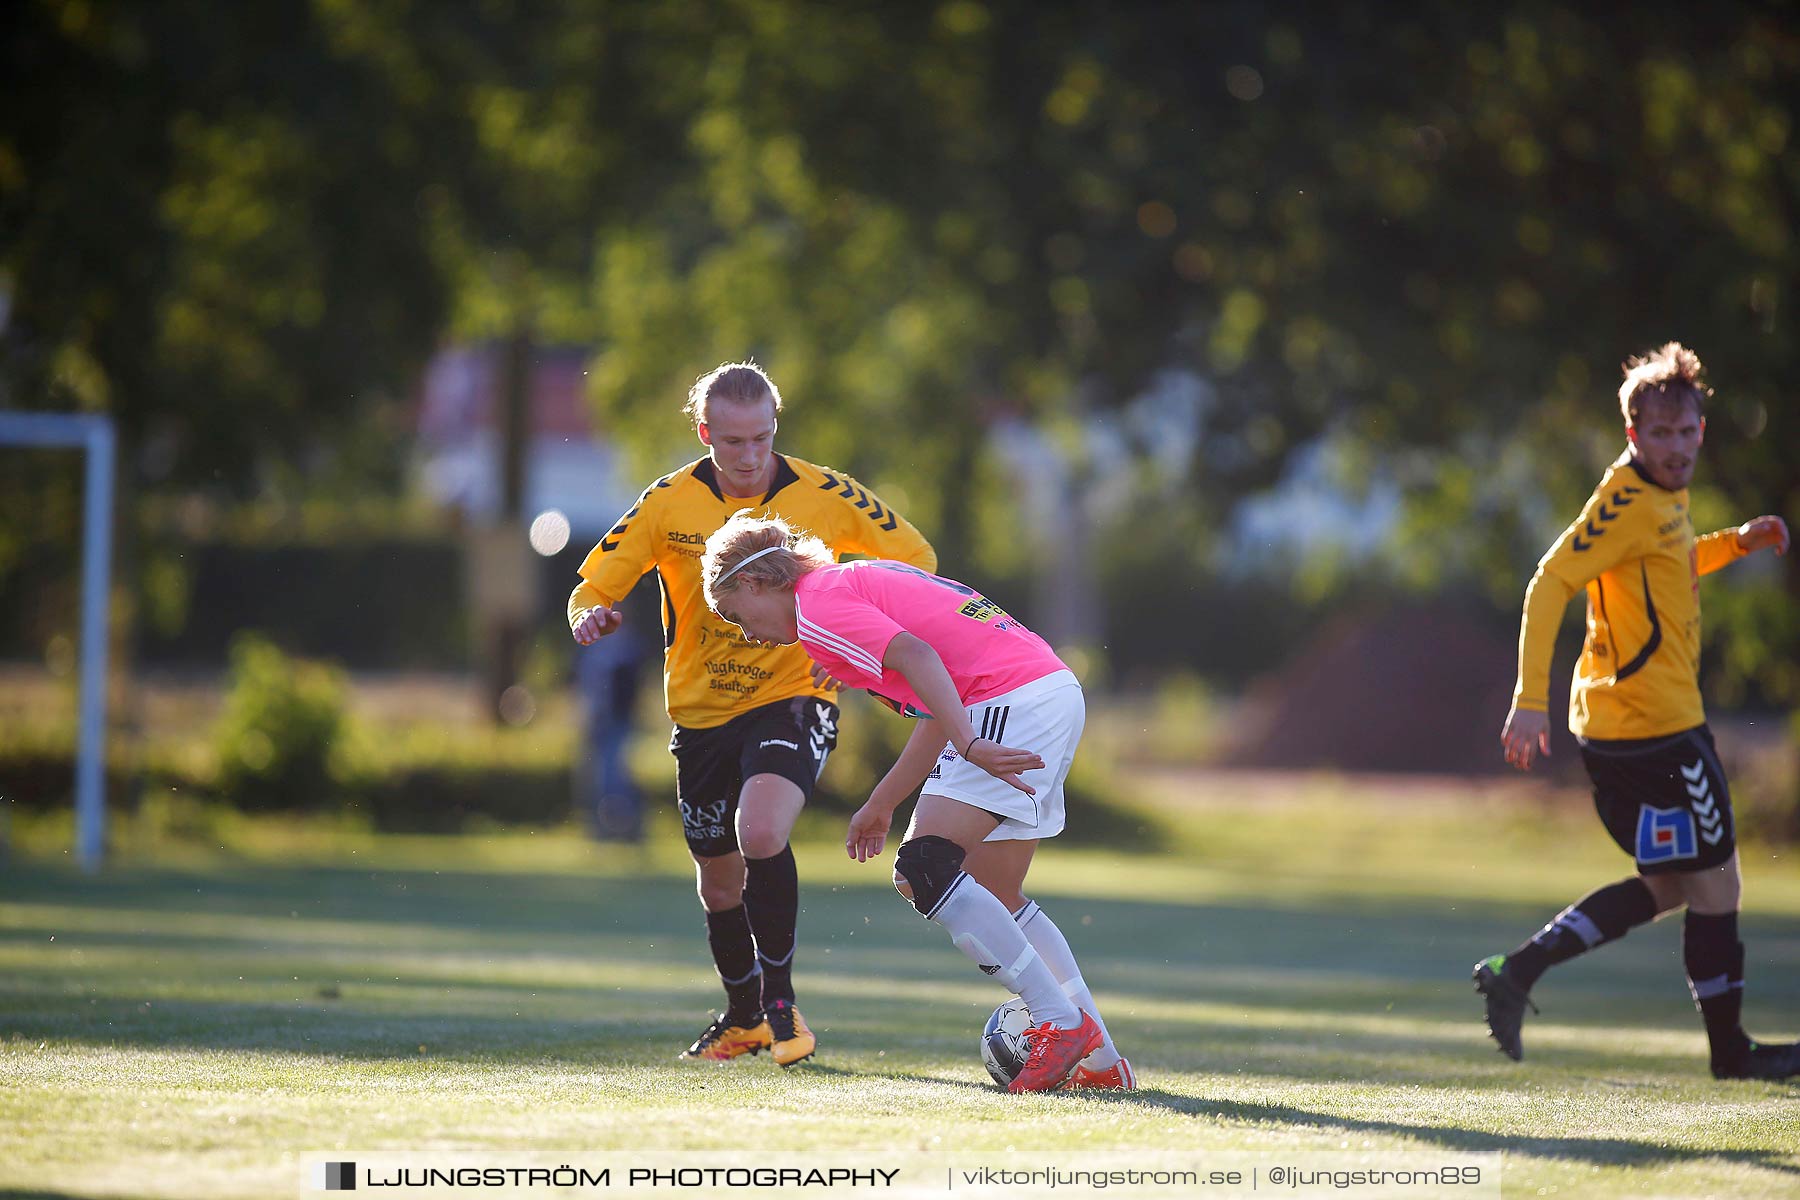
point(929, 864)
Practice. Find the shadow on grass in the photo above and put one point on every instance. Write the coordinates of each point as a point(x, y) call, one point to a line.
point(814, 1067)
point(1397, 939)
point(478, 965)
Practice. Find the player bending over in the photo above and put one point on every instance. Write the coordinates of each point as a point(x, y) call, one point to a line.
point(1635, 709)
point(932, 647)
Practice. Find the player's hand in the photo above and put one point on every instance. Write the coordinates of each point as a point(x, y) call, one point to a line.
point(868, 831)
point(1525, 736)
point(596, 623)
point(1003, 762)
point(1763, 533)
point(824, 679)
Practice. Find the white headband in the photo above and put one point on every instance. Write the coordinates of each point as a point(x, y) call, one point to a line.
point(747, 561)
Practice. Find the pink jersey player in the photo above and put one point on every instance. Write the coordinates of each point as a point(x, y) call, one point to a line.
point(1001, 716)
point(843, 622)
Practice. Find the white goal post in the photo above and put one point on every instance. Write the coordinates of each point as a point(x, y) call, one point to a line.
point(94, 434)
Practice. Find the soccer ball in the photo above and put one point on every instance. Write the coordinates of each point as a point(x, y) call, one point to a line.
point(1003, 1046)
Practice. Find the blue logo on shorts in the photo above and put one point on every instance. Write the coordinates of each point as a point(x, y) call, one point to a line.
point(1664, 834)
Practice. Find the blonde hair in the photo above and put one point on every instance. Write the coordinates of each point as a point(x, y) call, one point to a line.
point(1670, 373)
point(737, 382)
point(726, 563)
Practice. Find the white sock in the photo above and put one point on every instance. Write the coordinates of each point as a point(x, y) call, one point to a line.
point(983, 929)
point(1053, 948)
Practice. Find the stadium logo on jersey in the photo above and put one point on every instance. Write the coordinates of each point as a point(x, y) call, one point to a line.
point(1664, 834)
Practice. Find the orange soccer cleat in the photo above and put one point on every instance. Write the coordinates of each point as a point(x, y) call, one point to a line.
point(723, 1042)
point(793, 1040)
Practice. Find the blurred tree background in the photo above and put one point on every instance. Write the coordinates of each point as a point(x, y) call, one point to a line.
point(1104, 277)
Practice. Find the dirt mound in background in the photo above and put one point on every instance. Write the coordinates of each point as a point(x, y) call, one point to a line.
point(1420, 688)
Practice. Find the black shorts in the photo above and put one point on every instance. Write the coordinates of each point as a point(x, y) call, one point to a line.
point(1664, 800)
point(789, 738)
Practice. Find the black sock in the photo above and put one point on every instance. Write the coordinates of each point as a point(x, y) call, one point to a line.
point(1715, 969)
point(1597, 918)
point(734, 954)
point(772, 898)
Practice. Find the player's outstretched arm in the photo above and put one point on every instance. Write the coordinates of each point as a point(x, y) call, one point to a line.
point(1763, 533)
point(1720, 549)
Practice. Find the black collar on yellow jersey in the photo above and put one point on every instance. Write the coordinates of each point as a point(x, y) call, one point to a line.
point(705, 472)
point(1631, 460)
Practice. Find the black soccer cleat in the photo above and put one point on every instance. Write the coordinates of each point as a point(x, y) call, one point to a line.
point(1780, 1060)
point(1506, 1004)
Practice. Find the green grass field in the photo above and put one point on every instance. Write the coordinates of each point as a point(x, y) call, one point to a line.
point(1292, 976)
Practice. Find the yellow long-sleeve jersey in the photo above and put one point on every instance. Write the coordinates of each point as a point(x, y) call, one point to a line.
point(1633, 548)
point(710, 672)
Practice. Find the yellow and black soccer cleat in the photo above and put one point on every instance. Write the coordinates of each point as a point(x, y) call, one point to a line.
point(723, 1042)
point(793, 1040)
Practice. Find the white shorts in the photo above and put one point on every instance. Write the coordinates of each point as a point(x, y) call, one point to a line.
point(1045, 716)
